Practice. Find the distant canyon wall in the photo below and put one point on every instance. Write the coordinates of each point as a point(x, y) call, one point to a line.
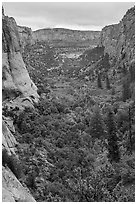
point(118, 39)
point(72, 36)
point(29, 37)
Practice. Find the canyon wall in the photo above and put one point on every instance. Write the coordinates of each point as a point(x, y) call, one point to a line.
point(66, 35)
point(25, 35)
point(15, 77)
point(16, 86)
point(119, 39)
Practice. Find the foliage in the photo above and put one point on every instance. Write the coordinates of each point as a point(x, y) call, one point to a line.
point(107, 82)
point(71, 147)
point(113, 148)
point(12, 162)
point(65, 158)
point(126, 94)
point(96, 128)
point(99, 84)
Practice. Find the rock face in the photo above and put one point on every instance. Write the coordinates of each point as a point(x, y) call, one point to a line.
point(68, 36)
point(119, 39)
point(12, 190)
point(15, 77)
point(25, 35)
point(8, 140)
point(16, 84)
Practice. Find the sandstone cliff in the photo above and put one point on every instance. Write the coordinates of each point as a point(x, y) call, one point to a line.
point(12, 190)
point(16, 87)
point(89, 38)
point(119, 39)
point(25, 35)
point(15, 77)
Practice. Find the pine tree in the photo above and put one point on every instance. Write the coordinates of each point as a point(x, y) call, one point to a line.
point(99, 81)
point(126, 92)
point(107, 82)
point(96, 125)
point(113, 150)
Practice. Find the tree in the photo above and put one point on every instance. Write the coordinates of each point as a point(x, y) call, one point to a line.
point(96, 129)
point(126, 92)
point(99, 84)
point(113, 150)
point(107, 82)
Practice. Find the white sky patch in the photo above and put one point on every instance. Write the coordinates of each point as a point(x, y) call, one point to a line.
point(79, 27)
point(34, 22)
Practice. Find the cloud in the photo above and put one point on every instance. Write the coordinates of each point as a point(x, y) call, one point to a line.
point(34, 22)
point(77, 15)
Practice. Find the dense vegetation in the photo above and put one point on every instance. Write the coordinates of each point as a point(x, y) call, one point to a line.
point(78, 151)
point(77, 144)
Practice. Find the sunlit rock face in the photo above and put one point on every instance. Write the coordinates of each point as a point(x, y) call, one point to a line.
point(15, 77)
point(8, 140)
point(12, 190)
point(119, 39)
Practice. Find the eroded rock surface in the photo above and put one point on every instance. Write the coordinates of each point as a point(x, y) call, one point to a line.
point(119, 39)
point(25, 35)
point(15, 77)
point(18, 91)
point(8, 140)
point(12, 190)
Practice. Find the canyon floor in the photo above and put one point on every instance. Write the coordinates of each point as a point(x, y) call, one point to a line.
point(69, 128)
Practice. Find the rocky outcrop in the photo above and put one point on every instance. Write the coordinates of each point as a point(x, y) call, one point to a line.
point(15, 77)
point(119, 39)
point(25, 35)
point(12, 190)
point(90, 38)
point(18, 90)
point(8, 140)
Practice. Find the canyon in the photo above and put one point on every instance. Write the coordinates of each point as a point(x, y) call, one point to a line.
point(50, 84)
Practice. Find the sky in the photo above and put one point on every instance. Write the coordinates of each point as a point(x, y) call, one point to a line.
point(71, 15)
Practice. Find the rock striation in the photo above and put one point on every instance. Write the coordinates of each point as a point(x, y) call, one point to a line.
point(8, 140)
point(26, 36)
point(90, 38)
point(15, 77)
